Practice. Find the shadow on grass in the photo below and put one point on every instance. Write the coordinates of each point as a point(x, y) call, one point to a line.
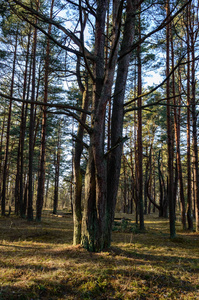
point(104, 287)
point(51, 269)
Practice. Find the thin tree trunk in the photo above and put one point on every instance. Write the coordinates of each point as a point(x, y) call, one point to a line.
point(20, 158)
point(169, 134)
point(57, 169)
point(5, 171)
point(31, 131)
point(77, 205)
point(189, 197)
point(194, 123)
point(140, 171)
point(42, 169)
point(1, 147)
point(177, 139)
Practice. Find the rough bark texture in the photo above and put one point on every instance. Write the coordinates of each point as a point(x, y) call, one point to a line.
point(77, 205)
point(102, 176)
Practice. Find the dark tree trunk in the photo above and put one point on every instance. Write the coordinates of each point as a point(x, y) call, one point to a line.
point(31, 132)
point(189, 198)
point(41, 179)
point(1, 147)
point(57, 169)
point(77, 205)
point(5, 167)
point(140, 171)
point(177, 139)
point(194, 124)
point(103, 176)
point(20, 158)
point(169, 135)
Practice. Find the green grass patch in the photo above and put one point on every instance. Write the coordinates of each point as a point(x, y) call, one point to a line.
point(38, 261)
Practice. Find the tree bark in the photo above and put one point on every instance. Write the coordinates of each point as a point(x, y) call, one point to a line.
point(31, 130)
point(3, 194)
point(177, 139)
point(57, 169)
point(102, 176)
point(42, 169)
point(169, 134)
point(77, 203)
point(140, 160)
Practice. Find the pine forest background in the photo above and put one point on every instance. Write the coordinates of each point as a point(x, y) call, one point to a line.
point(49, 58)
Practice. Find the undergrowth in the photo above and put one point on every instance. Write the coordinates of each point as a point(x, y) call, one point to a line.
point(38, 261)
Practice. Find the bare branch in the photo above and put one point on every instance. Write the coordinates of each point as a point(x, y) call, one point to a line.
point(62, 106)
point(68, 32)
point(161, 26)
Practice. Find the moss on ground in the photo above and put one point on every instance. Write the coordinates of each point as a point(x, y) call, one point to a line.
point(38, 261)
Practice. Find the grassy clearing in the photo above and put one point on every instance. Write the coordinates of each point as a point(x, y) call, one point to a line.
point(37, 261)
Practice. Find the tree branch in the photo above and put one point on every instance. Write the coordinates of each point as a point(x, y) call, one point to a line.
point(62, 106)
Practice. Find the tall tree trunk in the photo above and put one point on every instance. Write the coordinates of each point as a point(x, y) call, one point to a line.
point(31, 130)
point(101, 185)
point(41, 179)
point(194, 124)
point(140, 171)
point(177, 139)
point(189, 198)
point(114, 161)
point(20, 158)
point(169, 134)
point(3, 194)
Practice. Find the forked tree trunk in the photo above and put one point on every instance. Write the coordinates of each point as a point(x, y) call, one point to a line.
point(102, 176)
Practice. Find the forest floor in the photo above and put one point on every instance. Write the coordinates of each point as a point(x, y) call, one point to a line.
point(38, 261)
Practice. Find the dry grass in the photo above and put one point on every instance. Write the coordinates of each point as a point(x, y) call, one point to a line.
point(37, 261)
